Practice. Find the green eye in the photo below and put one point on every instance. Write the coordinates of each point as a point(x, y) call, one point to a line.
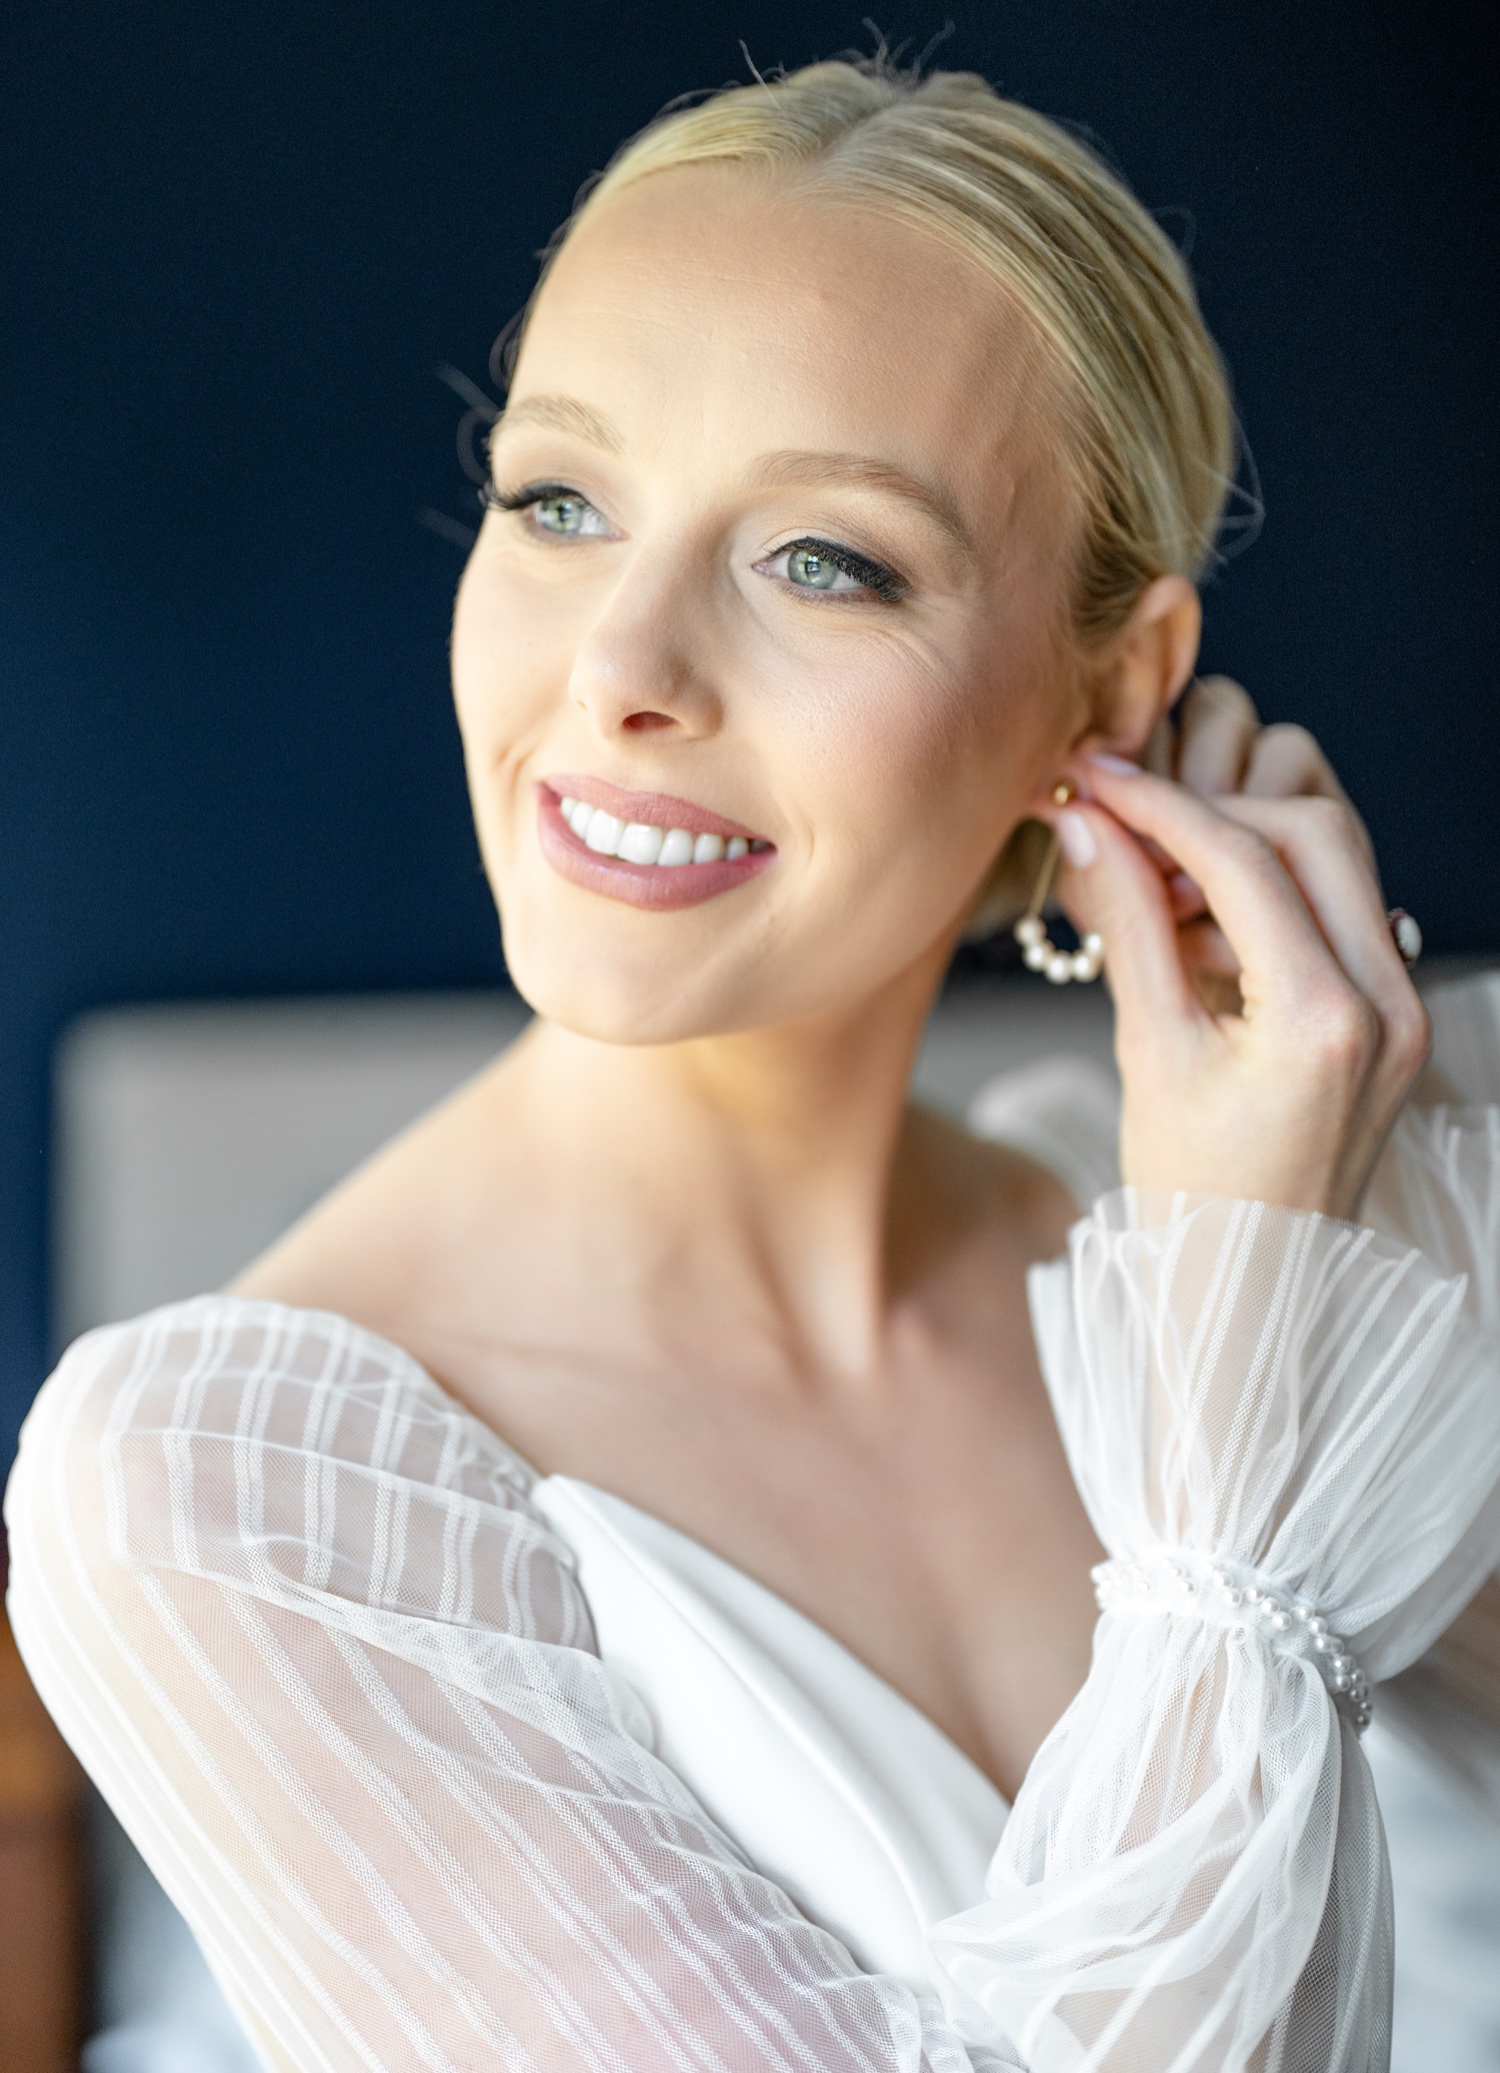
point(560, 514)
point(826, 569)
point(550, 507)
point(812, 570)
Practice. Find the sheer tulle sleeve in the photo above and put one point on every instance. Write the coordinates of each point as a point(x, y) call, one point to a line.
point(1287, 1432)
point(1438, 1188)
point(297, 1615)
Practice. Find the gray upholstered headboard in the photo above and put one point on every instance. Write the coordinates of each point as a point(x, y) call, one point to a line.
point(187, 1137)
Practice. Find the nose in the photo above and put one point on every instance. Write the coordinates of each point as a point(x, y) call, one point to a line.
point(641, 666)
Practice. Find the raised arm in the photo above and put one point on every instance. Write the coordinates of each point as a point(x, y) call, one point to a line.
point(1437, 1184)
point(1287, 1431)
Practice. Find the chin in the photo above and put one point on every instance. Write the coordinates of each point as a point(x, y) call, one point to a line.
point(631, 995)
point(617, 974)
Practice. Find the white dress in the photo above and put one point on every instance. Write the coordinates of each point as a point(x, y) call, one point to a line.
point(450, 1765)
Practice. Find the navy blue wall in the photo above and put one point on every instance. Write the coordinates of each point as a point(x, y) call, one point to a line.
point(236, 241)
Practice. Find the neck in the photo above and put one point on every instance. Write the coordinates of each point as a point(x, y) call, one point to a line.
point(755, 1169)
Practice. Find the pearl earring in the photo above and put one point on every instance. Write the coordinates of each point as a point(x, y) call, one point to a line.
point(1041, 954)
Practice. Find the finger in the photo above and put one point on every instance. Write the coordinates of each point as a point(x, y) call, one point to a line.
point(1249, 890)
point(1323, 844)
point(1160, 753)
point(1219, 725)
point(1206, 949)
point(1109, 883)
point(1213, 969)
point(1201, 942)
point(1185, 896)
point(1287, 762)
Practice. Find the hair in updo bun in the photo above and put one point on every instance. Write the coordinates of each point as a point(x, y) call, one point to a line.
point(1149, 430)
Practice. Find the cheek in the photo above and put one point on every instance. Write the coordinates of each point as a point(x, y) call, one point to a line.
point(506, 662)
point(917, 764)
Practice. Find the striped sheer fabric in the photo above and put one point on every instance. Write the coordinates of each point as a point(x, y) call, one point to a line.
point(1194, 1875)
point(295, 1612)
point(300, 1617)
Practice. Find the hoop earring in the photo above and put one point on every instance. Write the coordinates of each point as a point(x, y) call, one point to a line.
point(1039, 952)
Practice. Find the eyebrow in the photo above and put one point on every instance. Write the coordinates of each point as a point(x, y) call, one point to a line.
point(562, 414)
point(856, 471)
point(841, 470)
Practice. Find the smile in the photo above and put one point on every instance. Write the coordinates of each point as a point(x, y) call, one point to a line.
point(645, 848)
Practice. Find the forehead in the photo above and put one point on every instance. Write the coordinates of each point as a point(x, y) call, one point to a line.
point(709, 306)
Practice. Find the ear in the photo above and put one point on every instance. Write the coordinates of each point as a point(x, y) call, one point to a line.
point(1144, 669)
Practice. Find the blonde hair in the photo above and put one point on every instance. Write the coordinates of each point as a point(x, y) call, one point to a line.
point(1152, 423)
point(1150, 427)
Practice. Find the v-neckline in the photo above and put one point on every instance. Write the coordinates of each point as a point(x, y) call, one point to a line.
point(536, 1479)
point(783, 1608)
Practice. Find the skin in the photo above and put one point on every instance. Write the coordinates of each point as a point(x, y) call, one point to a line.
point(688, 1240)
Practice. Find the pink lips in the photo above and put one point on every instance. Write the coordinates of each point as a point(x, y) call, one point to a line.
point(642, 885)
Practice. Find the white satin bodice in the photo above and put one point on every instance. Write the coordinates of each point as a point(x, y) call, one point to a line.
point(834, 1784)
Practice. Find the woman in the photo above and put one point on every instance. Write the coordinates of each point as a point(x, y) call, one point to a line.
point(610, 1588)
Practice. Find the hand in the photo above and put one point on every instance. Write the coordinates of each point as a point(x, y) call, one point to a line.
point(1286, 1096)
point(1215, 744)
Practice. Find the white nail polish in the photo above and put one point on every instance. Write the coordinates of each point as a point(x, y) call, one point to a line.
point(1076, 840)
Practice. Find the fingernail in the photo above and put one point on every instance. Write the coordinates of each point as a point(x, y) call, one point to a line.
point(1117, 766)
point(1076, 839)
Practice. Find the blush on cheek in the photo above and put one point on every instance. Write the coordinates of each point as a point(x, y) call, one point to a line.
point(939, 764)
point(510, 678)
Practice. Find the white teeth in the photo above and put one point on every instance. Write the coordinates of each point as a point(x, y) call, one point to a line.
point(638, 842)
point(641, 844)
point(604, 833)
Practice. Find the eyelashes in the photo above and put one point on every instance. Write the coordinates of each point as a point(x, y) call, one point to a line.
point(811, 549)
point(561, 511)
point(494, 498)
point(809, 565)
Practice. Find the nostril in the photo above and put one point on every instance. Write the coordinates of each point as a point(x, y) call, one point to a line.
point(646, 723)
